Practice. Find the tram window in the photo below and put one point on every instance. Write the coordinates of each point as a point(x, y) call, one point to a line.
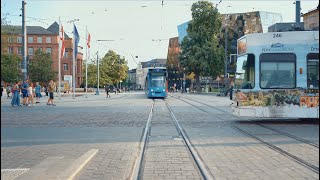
point(277, 71)
point(157, 81)
point(313, 70)
point(245, 72)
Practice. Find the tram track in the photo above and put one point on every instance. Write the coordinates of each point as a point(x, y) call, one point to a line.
point(299, 160)
point(261, 125)
point(197, 162)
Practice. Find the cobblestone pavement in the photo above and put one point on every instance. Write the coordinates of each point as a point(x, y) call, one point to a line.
point(166, 156)
point(31, 135)
point(231, 155)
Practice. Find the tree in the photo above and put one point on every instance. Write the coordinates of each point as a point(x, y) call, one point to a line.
point(40, 68)
point(201, 53)
point(10, 67)
point(113, 68)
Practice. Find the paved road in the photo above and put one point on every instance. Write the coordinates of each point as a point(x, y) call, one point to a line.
point(58, 136)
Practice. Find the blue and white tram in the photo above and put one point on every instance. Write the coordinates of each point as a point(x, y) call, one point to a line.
point(277, 75)
point(156, 84)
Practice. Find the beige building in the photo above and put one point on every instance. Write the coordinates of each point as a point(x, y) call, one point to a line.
point(311, 20)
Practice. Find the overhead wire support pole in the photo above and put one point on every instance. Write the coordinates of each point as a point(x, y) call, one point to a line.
point(87, 63)
point(97, 93)
point(24, 42)
point(59, 58)
point(74, 68)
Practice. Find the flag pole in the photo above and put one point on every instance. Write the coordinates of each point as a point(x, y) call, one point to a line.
point(87, 63)
point(59, 60)
point(74, 65)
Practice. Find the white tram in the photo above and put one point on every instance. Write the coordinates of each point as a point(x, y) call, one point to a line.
point(277, 75)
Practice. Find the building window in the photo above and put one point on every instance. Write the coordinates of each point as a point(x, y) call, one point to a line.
point(19, 51)
point(30, 51)
point(30, 39)
point(10, 39)
point(40, 49)
point(39, 39)
point(66, 54)
point(19, 39)
point(65, 66)
point(10, 50)
point(313, 70)
point(48, 39)
point(48, 50)
point(277, 71)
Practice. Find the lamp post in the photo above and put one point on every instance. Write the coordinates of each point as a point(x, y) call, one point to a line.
point(184, 79)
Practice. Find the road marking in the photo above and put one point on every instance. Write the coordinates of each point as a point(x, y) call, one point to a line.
point(78, 165)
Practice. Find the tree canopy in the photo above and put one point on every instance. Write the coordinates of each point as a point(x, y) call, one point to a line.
point(201, 53)
point(39, 69)
point(10, 67)
point(112, 70)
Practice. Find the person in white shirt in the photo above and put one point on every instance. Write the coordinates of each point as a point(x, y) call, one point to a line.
point(30, 94)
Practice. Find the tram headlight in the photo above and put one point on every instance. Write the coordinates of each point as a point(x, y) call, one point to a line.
point(163, 90)
point(151, 90)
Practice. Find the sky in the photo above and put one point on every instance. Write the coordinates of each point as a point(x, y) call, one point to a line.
point(132, 28)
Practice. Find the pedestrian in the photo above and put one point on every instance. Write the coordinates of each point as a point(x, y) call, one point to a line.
point(24, 90)
point(8, 90)
point(16, 94)
point(231, 90)
point(51, 89)
point(107, 91)
point(115, 90)
point(30, 94)
point(1, 92)
point(37, 91)
point(46, 90)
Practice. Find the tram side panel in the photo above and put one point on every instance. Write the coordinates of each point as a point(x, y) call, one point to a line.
point(279, 98)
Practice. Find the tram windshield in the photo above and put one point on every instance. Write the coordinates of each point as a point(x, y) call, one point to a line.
point(157, 81)
point(245, 72)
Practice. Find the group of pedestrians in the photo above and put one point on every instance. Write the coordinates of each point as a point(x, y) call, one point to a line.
point(29, 93)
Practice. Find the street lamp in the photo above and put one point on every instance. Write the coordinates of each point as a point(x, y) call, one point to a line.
point(97, 92)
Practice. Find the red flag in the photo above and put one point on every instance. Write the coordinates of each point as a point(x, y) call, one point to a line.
point(62, 42)
point(88, 43)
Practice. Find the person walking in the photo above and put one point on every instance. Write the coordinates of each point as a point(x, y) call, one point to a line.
point(1, 92)
point(37, 90)
point(25, 87)
point(51, 88)
point(107, 91)
point(231, 90)
point(30, 94)
point(16, 95)
point(8, 90)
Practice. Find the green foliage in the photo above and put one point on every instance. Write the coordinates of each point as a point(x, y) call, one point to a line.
point(92, 74)
point(112, 70)
point(40, 68)
point(201, 53)
point(9, 67)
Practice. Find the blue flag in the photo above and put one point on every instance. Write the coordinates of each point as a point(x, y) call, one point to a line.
point(76, 38)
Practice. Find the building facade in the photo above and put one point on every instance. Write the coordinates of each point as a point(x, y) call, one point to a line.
point(132, 79)
point(311, 20)
point(46, 40)
point(175, 69)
